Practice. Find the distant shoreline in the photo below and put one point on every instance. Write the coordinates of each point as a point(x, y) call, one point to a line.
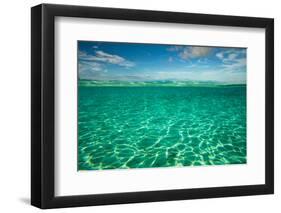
point(94, 83)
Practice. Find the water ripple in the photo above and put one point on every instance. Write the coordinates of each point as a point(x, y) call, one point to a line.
point(144, 127)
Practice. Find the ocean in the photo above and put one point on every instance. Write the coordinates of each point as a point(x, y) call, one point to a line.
point(121, 127)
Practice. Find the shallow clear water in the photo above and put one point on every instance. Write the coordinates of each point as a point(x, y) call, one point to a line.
point(143, 127)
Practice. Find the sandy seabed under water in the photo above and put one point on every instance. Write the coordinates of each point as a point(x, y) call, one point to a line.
point(145, 127)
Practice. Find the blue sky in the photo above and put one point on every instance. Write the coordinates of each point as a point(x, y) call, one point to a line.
point(150, 62)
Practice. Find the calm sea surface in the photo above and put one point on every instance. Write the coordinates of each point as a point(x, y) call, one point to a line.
point(144, 127)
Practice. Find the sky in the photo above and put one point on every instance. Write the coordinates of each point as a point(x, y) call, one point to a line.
point(157, 62)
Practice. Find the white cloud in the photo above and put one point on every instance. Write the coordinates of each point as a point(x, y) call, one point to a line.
point(233, 60)
point(199, 51)
point(187, 52)
point(175, 48)
point(231, 55)
point(220, 55)
point(170, 59)
point(104, 57)
point(236, 65)
point(89, 69)
point(90, 66)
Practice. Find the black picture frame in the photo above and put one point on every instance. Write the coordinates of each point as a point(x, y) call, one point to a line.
point(43, 102)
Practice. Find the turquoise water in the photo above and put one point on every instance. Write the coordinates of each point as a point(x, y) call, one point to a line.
point(144, 127)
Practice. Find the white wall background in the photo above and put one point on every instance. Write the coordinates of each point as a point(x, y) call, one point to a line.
point(15, 105)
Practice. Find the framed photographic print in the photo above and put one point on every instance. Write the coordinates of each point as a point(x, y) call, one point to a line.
point(139, 106)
